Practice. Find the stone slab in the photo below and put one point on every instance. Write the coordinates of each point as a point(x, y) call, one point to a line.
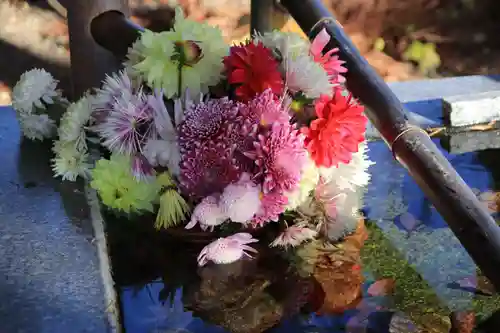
point(465, 142)
point(50, 272)
point(472, 109)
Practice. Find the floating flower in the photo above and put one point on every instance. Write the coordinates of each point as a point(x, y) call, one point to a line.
point(37, 126)
point(308, 181)
point(304, 75)
point(227, 250)
point(337, 132)
point(118, 188)
point(240, 201)
point(208, 214)
point(350, 176)
point(294, 236)
point(70, 161)
point(280, 157)
point(288, 45)
point(36, 88)
point(329, 61)
point(254, 69)
point(173, 207)
point(188, 56)
point(74, 121)
point(266, 109)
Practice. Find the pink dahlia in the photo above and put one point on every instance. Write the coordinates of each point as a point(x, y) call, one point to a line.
point(208, 214)
point(240, 201)
point(205, 120)
point(337, 132)
point(266, 109)
point(207, 168)
point(272, 205)
point(330, 62)
point(280, 157)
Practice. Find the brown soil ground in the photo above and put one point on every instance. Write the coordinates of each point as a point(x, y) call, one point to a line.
point(465, 33)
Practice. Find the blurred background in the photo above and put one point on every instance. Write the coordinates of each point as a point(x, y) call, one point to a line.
point(402, 39)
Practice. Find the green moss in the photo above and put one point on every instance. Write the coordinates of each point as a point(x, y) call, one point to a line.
point(413, 295)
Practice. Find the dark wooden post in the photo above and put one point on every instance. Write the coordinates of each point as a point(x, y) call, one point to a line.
point(89, 61)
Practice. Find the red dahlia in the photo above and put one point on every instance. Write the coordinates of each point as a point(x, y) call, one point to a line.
point(254, 69)
point(337, 132)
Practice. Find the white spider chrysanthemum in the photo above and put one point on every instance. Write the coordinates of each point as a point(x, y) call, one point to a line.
point(34, 89)
point(70, 161)
point(116, 85)
point(187, 57)
point(304, 75)
point(36, 126)
point(74, 121)
point(289, 45)
point(352, 175)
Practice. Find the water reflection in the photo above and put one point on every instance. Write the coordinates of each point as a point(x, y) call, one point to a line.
point(402, 271)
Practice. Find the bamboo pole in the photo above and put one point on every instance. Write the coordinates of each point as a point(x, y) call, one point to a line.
point(89, 61)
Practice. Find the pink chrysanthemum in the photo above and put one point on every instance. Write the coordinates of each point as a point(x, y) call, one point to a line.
point(205, 120)
point(227, 250)
point(207, 168)
point(272, 205)
point(280, 156)
point(330, 62)
point(294, 236)
point(266, 109)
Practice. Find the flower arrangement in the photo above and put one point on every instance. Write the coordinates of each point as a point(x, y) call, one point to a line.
point(203, 135)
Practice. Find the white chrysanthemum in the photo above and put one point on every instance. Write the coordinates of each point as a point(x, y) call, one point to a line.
point(74, 121)
point(294, 236)
point(290, 45)
point(304, 75)
point(37, 126)
point(352, 175)
point(70, 162)
point(34, 88)
point(309, 180)
point(160, 56)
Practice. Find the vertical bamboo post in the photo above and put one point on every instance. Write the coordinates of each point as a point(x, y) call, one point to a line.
point(89, 61)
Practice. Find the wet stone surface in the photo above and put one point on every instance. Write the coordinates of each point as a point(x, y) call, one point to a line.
point(50, 279)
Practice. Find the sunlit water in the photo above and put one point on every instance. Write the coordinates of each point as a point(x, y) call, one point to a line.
point(409, 248)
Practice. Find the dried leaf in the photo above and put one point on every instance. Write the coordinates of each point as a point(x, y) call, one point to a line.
point(382, 287)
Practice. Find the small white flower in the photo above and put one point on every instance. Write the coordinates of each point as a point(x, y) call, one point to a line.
point(70, 162)
point(289, 45)
point(165, 153)
point(352, 175)
point(34, 88)
point(74, 121)
point(308, 181)
point(294, 236)
point(304, 75)
point(36, 126)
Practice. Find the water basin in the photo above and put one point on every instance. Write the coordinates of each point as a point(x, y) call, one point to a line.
point(402, 271)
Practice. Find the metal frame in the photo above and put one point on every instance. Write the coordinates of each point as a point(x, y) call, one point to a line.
point(413, 148)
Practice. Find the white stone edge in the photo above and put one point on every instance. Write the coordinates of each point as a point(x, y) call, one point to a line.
point(110, 296)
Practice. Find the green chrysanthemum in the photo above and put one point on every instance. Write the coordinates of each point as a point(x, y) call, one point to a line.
point(187, 57)
point(118, 188)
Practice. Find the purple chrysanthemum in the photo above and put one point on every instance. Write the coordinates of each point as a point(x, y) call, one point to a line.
point(141, 168)
point(118, 86)
point(207, 168)
point(280, 157)
point(205, 120)
point(128, 126)
point(267, 109)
